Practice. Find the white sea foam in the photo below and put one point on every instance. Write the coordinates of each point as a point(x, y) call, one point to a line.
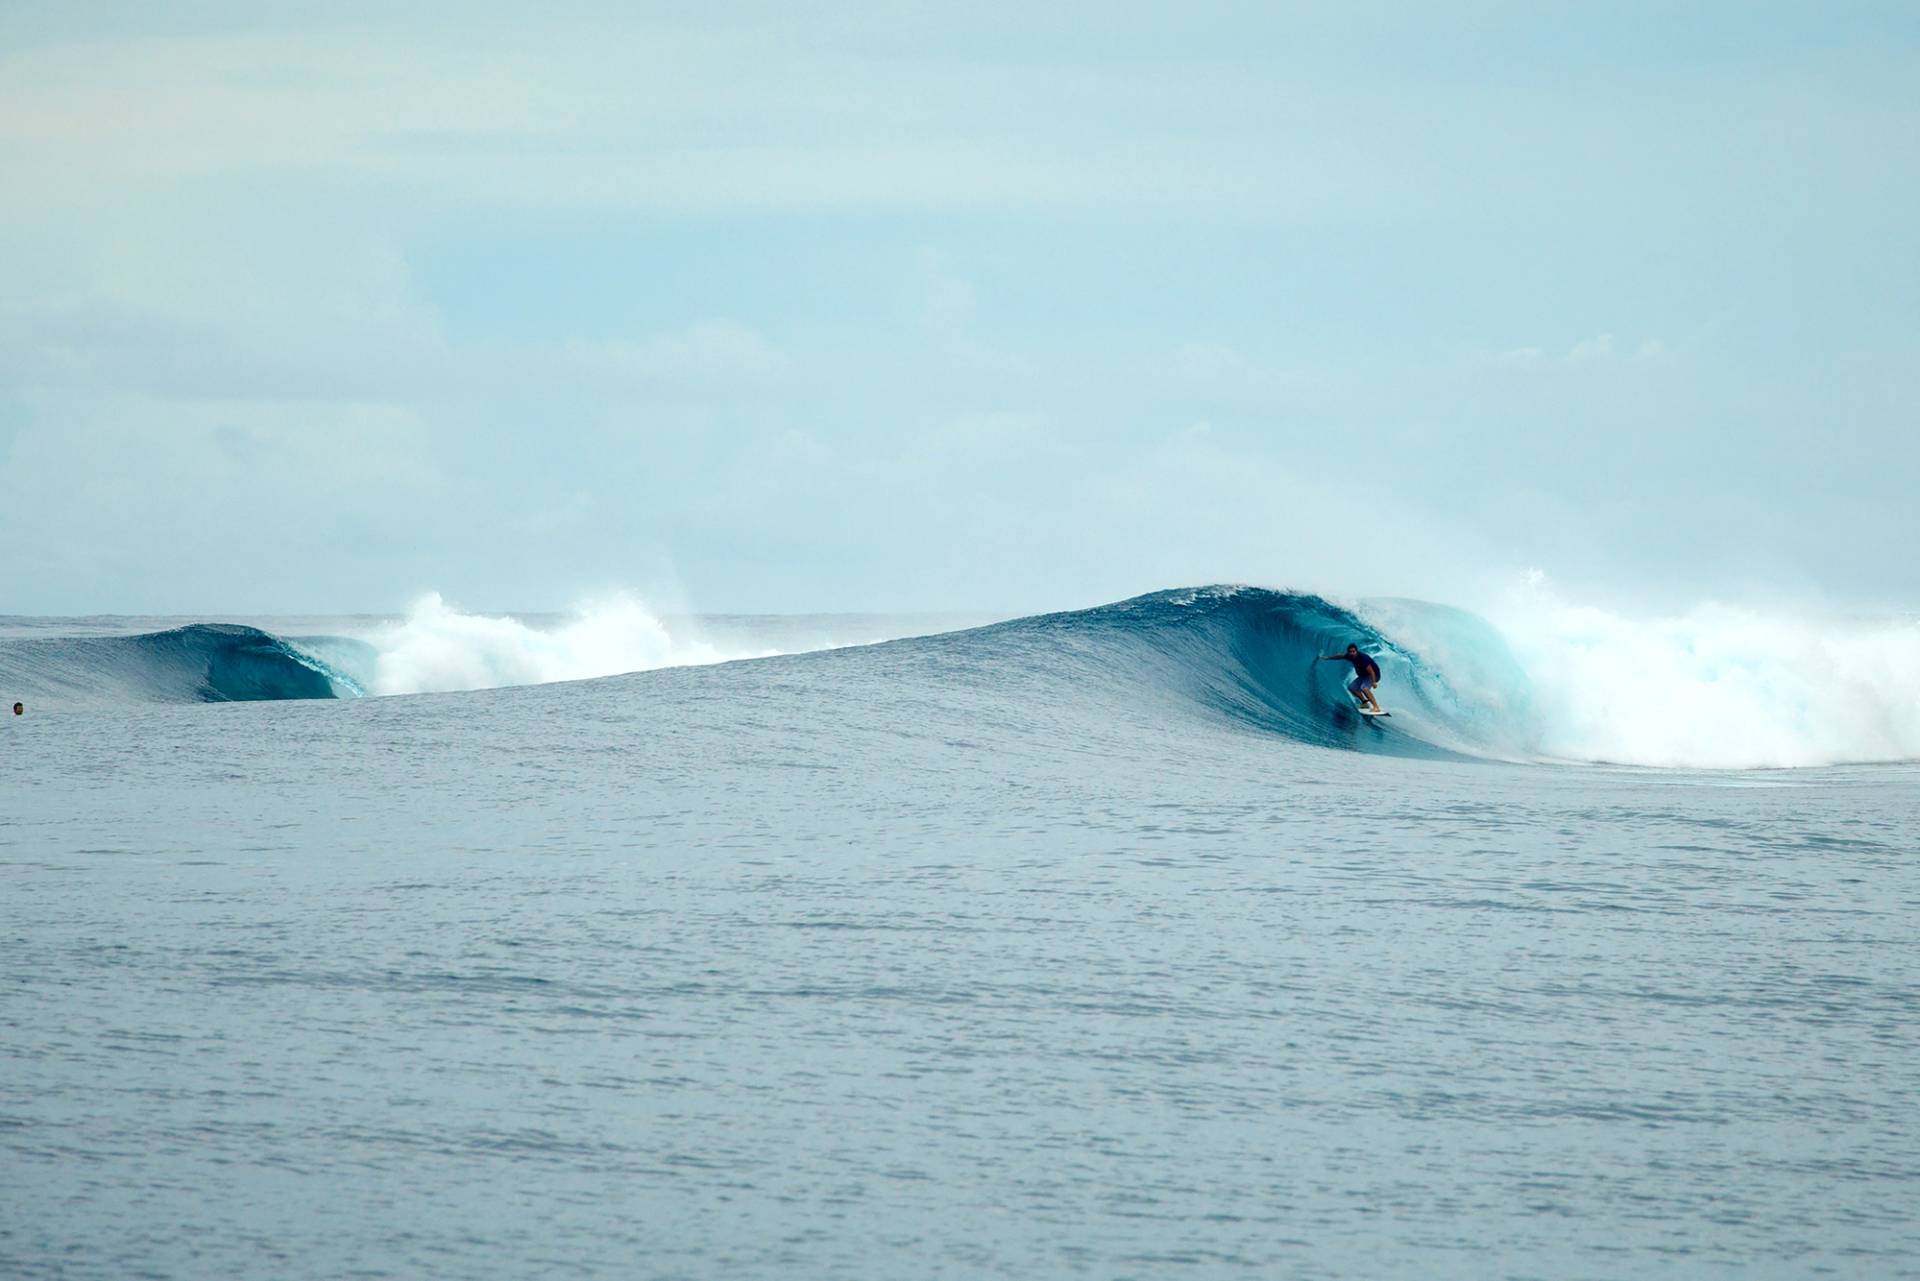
point(1715, 686)
point(437, 647)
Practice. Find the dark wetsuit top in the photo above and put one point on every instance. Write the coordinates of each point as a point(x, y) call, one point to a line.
point(1363, 666)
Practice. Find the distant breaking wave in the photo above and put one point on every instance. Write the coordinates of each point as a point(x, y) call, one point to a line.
point(1713, 689)
point(203, 663)
point(439, 648)
point(435, 648)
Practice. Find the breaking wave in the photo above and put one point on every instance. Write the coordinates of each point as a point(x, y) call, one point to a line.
point(201, 663)
point(1540, 681)
point(1716, 688)
point(440, 648)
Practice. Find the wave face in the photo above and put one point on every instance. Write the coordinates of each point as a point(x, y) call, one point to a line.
point(201, 663)
point(1248, 657)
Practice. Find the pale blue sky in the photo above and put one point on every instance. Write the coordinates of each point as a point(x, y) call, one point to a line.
point(972, 307)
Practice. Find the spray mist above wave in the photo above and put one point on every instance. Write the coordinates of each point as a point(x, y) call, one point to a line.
point(1717, 686)
point(1714, 687)
point(437, 648)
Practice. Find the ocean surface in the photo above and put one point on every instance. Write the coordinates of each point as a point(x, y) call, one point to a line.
point(1106, 943)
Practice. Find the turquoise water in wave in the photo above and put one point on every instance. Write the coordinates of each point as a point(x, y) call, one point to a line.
point(1104, 944)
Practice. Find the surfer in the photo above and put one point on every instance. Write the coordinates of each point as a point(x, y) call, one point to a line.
point(1366, 674)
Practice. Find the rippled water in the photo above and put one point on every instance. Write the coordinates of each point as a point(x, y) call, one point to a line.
point(859, 964)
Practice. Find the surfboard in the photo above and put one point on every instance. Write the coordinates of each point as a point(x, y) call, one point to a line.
point(1364, 712)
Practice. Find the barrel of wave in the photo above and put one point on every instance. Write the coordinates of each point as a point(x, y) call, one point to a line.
point(237, 664)
point(199, 663)
point(1451, 677)
point(1272, 677)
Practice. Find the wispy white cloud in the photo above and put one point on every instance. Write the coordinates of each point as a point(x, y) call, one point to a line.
point(790, 458)
point(709, 350)
point(1218, 367)
point(947, 298)
point(1601, 349)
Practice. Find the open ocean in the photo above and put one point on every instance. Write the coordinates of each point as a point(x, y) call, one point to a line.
point(1107, 943)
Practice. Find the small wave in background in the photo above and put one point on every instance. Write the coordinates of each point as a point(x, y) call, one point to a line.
point(434, 648)
point(197, 663)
